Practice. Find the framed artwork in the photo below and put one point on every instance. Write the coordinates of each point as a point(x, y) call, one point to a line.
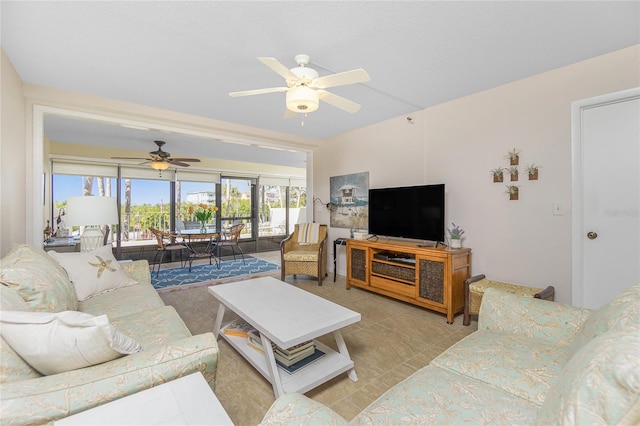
point(350, 201)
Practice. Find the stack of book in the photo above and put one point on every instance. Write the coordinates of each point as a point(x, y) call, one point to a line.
point(238, 328)
point(291, 359)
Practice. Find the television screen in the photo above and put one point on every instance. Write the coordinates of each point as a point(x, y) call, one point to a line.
point(415, 212)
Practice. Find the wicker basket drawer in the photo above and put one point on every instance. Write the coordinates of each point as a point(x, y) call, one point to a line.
point(394, 271)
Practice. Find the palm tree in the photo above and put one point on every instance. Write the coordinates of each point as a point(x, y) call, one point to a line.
point(87, 185)
point(127, 208)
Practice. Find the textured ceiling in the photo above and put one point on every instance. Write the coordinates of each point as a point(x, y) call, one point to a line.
point(187, 56)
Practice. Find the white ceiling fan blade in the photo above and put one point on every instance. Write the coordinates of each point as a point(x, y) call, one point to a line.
point(277, 66)
point(258, 91)
point(342, 78)
point(338, 101)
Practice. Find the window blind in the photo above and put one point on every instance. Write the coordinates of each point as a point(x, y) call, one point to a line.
point(197, 176)
point(83, 169)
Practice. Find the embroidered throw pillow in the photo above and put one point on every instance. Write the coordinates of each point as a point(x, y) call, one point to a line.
point(53, 343)
point(93, 272)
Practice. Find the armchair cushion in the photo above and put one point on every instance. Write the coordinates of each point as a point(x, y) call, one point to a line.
point(308, 233)
point(301, 256)
point(521, 290)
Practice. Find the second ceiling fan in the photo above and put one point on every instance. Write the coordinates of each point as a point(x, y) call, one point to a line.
point(305, 88)
point(162, 160)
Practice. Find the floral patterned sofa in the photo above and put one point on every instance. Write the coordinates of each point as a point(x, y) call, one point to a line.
point(531, 362)
point(32, 281)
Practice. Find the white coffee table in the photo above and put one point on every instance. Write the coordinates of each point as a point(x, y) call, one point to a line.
point(286, 316)
point(185, 401)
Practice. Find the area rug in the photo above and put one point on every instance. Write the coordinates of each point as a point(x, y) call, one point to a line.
point(208, 274)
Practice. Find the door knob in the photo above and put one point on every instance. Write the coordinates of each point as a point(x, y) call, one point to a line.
point(592, 235)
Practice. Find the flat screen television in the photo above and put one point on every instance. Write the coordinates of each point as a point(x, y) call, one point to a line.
point(415, 212)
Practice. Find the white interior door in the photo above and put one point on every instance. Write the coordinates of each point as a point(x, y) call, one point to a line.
point(606, 197)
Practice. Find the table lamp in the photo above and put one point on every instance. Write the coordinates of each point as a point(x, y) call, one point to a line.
point(91, 212)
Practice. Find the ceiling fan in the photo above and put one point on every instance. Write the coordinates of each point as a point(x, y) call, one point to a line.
point(305, 88)
point(161, 160)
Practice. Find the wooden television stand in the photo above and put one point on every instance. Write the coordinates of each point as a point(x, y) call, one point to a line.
point(424, 276)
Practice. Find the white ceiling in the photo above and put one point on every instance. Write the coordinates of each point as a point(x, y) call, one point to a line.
point(187, 56)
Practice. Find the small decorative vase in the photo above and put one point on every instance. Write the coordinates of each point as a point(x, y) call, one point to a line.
point(203, 228)
point(456, 243)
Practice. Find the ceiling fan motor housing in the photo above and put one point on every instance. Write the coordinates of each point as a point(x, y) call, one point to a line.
point(305, 75)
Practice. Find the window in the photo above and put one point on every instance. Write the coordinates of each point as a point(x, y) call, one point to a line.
point(189, 195)
point(297, 205)
point(144, 204)
point(236, 203)
point(72, 185)
point(281, 200)
point(162, 200)
point(272, 207)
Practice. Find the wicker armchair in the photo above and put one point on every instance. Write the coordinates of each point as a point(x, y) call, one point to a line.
point(305, 259)
point(475, 286)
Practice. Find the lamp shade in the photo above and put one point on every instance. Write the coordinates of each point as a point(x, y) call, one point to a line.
point(160, 165)
point(87, 211)
point(302, 99)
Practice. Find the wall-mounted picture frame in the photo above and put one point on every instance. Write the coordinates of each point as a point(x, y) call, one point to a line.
point(350, 196)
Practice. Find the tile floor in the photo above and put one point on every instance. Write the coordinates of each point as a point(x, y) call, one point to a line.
point(393, 340)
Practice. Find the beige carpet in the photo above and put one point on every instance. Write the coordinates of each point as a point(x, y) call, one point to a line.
point(393, 340)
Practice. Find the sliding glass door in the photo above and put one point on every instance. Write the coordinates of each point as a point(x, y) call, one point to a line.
point(236, 206)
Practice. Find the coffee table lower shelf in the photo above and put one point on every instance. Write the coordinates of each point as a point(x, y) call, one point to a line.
point(308, 377)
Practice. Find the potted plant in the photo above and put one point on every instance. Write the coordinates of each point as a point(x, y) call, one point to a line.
point(532, 170)
point(512, 190)
point(497, 174)
point(513, 171)
point(455, 235)
point(513, 156)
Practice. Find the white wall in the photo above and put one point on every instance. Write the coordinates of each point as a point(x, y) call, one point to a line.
point(458, 142)
point(12, 157)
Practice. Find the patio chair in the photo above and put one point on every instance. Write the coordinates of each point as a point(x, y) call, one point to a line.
point(231, 238)
point(166, 244)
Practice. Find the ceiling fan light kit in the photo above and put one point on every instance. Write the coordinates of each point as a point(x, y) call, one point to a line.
point(302, 99)
point(159, 165)
point(305, 88)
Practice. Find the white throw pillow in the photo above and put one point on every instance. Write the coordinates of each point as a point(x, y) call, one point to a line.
point(93, 272)
point(57, 342)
